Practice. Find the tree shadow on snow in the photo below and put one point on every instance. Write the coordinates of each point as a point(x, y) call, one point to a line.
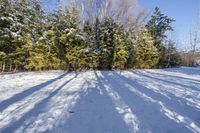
point(38, 108)
point(174, 103)
point(173, 79)
point(172, 96)
point(95, 113)
point(184, 70)
point(20, 96)
point(151, 118)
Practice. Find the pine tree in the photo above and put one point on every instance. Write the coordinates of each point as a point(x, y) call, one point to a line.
point(107, 45)
point(120, 50)
point(172, 57)
point(55, 34)
point(31, 39)
point(9, 33)
point(130, 41)
point(146, 53)
point(32, 26)
point(54, 62)
point(158, 26)
point(90, 53)
point(23, 53)
point(72, 39)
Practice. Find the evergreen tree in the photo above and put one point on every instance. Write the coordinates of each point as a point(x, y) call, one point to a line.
point(146, 53)
point(90, 52)
point(55, 35)
point(72, 39)
point(10, 38)
point(32, 26)
point(120, 51)
point(172, 57)
point(31, 39)
point(130, 41)
point(107, 45)
point(158, 26)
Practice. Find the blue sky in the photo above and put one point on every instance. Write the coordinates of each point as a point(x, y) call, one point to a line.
point(48, 5)
point(185, 12)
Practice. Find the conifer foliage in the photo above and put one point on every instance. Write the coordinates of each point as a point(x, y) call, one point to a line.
point(146, 54)
point(32, 39)
point(158, 25)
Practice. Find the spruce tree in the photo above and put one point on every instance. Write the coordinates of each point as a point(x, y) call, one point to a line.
point(10, 37)
point(146, 53)
point(31, 39)
point(90, 53)
point(172, 57)
point(158, 25)
point(107, 45)
point(72, 39)
point(120, 49)
point(130, 41)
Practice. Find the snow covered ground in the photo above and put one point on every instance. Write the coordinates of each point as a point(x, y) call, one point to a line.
point(135, 101)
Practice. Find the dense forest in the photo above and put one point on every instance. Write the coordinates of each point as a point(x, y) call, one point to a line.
point(72, 38)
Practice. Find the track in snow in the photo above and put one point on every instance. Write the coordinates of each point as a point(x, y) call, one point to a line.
point(137, 101)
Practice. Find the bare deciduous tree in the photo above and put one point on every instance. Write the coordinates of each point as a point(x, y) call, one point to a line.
point(195, 41)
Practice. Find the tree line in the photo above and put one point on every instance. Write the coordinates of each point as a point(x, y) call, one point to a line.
point(72, 39)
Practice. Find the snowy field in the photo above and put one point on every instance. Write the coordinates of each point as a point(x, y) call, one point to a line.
point(137, 101)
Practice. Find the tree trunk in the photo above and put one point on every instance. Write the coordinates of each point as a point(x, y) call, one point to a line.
point(3, 66)
point(10, 69)
point(168, 61)
point(16, 66)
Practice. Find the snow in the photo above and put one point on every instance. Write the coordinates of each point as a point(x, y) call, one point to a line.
point(134, 101)
point(42, 38)
point(80, 37)
point(15, 35)
point(3, 18)
point(11, 19)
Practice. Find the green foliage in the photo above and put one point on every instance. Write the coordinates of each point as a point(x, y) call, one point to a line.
point(2, 58)
point(41, 58)
point(31, 39)
point(107, 45)
point(146, 53)
point(172, 57)
point(158, 26)
point(90, 53)
point(120, 51)
point(130, 42)
point(75, 48)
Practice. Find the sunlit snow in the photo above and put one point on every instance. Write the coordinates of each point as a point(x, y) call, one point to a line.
point(134, 101)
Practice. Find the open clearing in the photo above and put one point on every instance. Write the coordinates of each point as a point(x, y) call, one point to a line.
point(135, 101)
